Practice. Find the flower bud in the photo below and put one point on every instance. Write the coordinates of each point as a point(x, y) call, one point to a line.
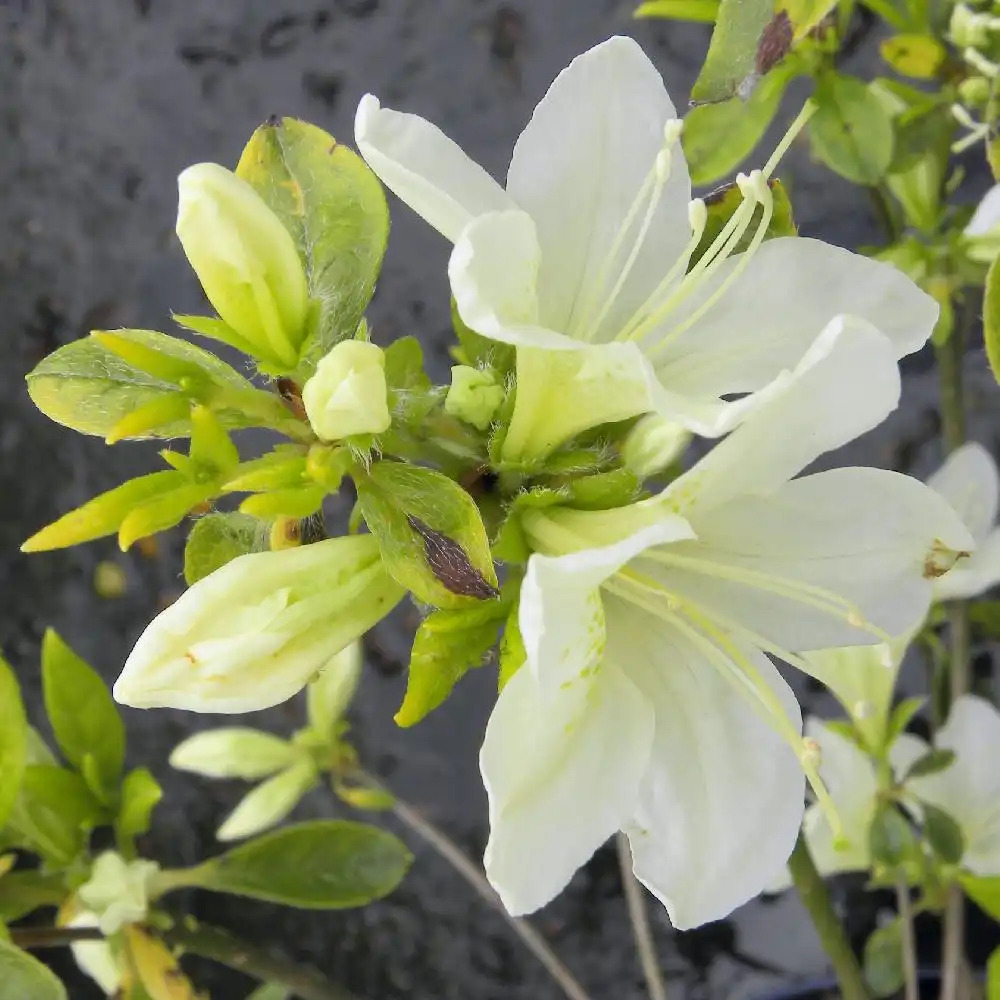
point(331, 692)
point(974, 91)
point(474, 396)
point(347, 395)
point(233, 752)
point(254, 632)
point(117, 892)
point(653, 444)
point(967, 28)
point(269, 803)
point(246, 262)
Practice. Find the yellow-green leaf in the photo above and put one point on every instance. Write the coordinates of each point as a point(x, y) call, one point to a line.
point(25, 978)
point(705, 11)
point(13, 739)
point(991, 318)
point(918, 56)
point(217, 539)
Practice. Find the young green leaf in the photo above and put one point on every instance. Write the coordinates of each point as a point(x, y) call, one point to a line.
point(705, 11)
point(901, 716)
point(164, 511)
point(993, 976)
point(447, 645)
point(140, 794)
point(883, 960)
point(943, 834)
point(13, 739)
point(83, 715)
point(917, 56)
point(23, 892)
point(216, 539)
point(991, 318)
point(930, 763)
point(234, 752)
point(984, 891)
point(851, 131)
point(325, 864)
point(430, 533)
point(270, 802)
point(731, 65)
point(717, 138)
point(90, 388)
point(890, 837)
point(336, 211)
point(25, 978)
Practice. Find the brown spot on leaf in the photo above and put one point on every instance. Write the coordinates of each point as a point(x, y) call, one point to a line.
point(775, 42)
point(450, 564)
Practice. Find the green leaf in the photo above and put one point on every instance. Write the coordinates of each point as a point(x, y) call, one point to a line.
point(985, 616)
point(930, 763)
point(430, 533)
point(917, 56)
point(82, 713)
point(281, 469)
point(890, 837)
point(447, 645)
point(217, 539)
point(23, 892)
point(851, 131)
point(723, 203)
point(325, 864)
point(13, 740)
point(943, 834)
point(883, 961)
point(104, 514)
point(805, 15)
point(88, 387)
point(717, 138)
point(731, 65)
point(984, 891)
point(336, 211)
point(993, 976)
point(511, 545)
point(300, 502)
point(705, 11)
point(991, 318)
point(163, 512)
point(901, 716)
point(25, 978)
point(54, 814)
point(411, 393)
point(140, 794)
point(270, 991)
point(512, 652)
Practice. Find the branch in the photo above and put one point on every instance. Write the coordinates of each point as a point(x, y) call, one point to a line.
point(52, 937)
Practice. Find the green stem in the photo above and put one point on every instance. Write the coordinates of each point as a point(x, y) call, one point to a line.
point(949, 358)
point(220, 946)
point(905, 908)
point(639, 918)
point(52, 937)
point(453, 854)
point(816, 900)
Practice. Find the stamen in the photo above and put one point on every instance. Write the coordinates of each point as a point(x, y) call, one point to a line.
point(826, 601)
point(801, 119)
point(583, 327)
point(980, 63)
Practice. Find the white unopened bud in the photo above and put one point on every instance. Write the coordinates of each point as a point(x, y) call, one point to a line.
point(233, 752)
point(653, 444)
point(347, 394)
point(474, 396)
point(246, 262)
point(117, 892)
point(269, 803)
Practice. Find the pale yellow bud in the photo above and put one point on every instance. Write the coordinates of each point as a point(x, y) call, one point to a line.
point(347, 395)
point(269, 803)
point(246, 262)
point(474, 396)
point(233, 752)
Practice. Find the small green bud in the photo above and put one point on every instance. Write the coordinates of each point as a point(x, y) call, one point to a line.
point(974, 92)
point(246, 261)
point(233, 752)
point(653, 444)
point(347, 395)
point(331, 691)
point(269, 803)
point(474, 396)
point(117, 892)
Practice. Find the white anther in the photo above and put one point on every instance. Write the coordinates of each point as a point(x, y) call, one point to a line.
point(959, 113)
point(983, 65)
point(672, 130)
point(697, 215)
point(663, 160)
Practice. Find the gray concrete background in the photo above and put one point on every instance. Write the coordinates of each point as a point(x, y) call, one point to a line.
point(102, 103)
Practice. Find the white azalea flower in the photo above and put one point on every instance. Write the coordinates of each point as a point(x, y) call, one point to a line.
point(582, 260)
point(969, 790)
point(117, 892)
point(95, 958)
point(983, 230)
point(647, 702)
point(968, 480)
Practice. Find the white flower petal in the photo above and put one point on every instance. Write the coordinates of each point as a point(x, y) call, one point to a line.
point(974, 574)
point(95, 958)
point(987, 214)
point(969, 481)
point(767, 319)
point(561, 776)
point(561, 616)
point(424, 168)
point(969, 790)
point(561, 393)
point(862, 535)
point(847, 383)
point(722, 799)
point(577, 169)
point(494, 277)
